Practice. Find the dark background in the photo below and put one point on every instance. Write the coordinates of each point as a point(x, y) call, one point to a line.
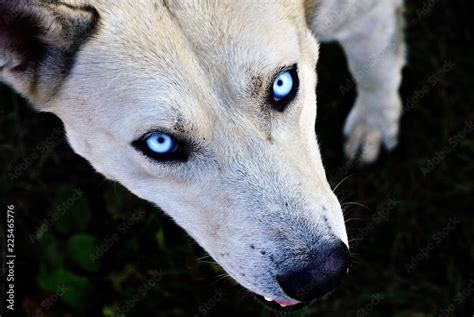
point(412, 234)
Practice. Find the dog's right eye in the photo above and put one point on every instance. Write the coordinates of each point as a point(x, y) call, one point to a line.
point(161, 146)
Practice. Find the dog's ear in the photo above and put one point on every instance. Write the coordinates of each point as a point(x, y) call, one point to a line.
point(38, 43)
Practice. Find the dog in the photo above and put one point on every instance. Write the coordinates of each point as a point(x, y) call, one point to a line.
point(207, 108)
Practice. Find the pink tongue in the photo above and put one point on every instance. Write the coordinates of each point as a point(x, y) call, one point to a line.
point(285, 303)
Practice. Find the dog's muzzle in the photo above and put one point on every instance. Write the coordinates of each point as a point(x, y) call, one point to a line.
point(324, 273)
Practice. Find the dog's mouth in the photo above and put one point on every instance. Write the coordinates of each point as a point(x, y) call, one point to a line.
point(281, 305)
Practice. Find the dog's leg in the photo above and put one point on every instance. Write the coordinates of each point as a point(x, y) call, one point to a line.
point(375, 49)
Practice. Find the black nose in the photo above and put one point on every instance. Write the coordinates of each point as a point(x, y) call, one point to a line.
point(326, 271)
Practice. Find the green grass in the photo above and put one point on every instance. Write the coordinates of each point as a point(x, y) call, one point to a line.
point(405, 209)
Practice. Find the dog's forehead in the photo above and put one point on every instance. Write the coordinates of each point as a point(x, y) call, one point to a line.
point(241, 33)
point(230, 41)
point(186, 56)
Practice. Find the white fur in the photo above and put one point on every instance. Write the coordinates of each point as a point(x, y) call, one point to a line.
point(258, 184)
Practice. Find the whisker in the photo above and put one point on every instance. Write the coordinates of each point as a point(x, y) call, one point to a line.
point(342, 181)
point(206, 256)
point(244, 296)
point(220, 278)
point(209, 262)
point(343, 198)
point(355, 239)
point(353, 203)
point(354, 219)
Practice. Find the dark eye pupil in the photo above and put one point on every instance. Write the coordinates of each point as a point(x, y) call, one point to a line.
point(161, 140)
point(280, 82)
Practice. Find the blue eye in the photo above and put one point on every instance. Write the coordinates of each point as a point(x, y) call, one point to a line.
point(283, 85)
point(284, 89)
point(161, 143)
point(164, 147)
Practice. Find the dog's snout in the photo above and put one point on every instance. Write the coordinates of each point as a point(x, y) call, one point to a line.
point(325, 272)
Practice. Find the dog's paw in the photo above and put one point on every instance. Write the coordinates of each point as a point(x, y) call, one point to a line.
point(368, 128)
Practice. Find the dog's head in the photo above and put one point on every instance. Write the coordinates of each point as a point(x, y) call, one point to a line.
point(206, 108)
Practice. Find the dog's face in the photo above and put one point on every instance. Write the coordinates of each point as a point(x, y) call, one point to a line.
point(206, 108)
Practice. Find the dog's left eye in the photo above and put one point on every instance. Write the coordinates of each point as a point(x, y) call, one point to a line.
point(161, 147)
point(285, 87)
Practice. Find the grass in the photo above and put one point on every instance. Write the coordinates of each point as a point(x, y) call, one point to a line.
point(408, 213)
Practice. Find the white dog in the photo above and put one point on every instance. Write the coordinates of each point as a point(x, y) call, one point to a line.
point(207, 108)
